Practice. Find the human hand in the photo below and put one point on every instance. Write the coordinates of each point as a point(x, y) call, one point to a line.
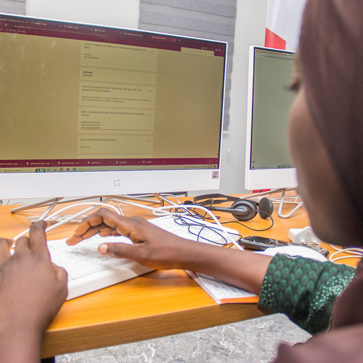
point(159, 249)
point(152, 246)
point(32, 290)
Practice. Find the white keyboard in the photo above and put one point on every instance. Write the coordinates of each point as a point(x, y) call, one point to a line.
point(83, 259)
point(89, 271)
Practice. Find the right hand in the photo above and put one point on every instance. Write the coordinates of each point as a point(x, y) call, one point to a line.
point(152, 246)
point(158, 249)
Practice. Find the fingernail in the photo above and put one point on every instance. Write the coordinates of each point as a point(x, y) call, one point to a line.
point(103, 249)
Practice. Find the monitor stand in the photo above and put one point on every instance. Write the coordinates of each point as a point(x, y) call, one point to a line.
point(282, 200)
point(51, 203)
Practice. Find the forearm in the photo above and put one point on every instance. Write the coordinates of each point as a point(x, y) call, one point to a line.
point(19, 345)
point(304, 289)
point(239, 268)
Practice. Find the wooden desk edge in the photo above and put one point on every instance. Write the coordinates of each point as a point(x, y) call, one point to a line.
point(104, 335)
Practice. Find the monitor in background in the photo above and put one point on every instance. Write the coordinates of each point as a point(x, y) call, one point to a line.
point(268, 164)
point(91, 110)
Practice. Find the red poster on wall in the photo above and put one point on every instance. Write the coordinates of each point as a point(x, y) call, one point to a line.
point(283, 23)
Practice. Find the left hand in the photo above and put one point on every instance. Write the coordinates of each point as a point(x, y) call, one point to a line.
point(32, 290)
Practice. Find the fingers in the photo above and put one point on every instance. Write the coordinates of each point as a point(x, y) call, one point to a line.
point(5, 244)
point(60, 273)
point(104, 222)
point(22, 243)
point(104, 218)
point(38, 239)
point(107, 223)
point(79, 238)
point(120, 250)
point(101, 230)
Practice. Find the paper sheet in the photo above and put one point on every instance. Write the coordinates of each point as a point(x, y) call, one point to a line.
point(221, 292)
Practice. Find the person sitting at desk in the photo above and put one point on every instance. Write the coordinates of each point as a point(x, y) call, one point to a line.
point(32, 290)
point(326, 133)
point(326, 142)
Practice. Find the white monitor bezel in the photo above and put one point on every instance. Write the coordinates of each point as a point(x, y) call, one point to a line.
point(100, 183)
point(85, 184)
point(260, 179)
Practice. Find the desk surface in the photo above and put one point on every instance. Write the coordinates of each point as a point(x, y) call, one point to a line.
point(157, 304)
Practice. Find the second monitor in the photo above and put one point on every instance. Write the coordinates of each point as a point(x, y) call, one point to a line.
point(268, 163)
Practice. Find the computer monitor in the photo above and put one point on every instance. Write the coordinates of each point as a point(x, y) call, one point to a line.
point(268, 164)
point(92, 110)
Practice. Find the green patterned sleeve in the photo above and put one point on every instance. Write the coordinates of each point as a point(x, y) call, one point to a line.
point(304, 289)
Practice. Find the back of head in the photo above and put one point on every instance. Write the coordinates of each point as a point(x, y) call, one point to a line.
point(331, 57)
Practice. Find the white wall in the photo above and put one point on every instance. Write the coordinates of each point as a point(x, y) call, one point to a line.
point(12, 6)
point(250, 30)
point(124, 13)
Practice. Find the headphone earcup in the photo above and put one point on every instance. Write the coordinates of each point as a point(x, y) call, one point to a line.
point(246, 205)
point(265, 208)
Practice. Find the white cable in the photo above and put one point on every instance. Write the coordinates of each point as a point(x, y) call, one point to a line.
point(66, 220)
point(83, 203)
point(120, 209)
point(165, 197)
point(355, 253)
point(343, 257)
point(93, 205)
point(162, 211)
point(134, 204)
point(355, 250)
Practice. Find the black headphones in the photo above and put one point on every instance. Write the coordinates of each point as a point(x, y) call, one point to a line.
point(241, 209)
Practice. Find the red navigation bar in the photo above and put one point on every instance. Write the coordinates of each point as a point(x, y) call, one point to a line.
point(87, 32)
point(103, 162)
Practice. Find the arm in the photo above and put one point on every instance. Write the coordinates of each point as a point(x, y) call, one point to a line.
point(339, 345)
point(304, 289)
point(158, 249)
point(32, 291)
point(308, 303)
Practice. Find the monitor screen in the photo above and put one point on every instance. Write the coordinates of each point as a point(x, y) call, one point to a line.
point(93, 110)
point(268, 163)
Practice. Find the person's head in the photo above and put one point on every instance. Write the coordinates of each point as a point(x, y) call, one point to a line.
point(326, 119)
